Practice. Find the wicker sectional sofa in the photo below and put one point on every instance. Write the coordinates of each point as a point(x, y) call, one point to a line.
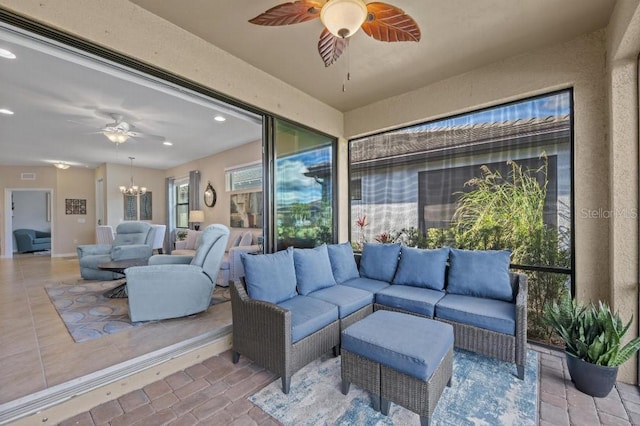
point(292, 305)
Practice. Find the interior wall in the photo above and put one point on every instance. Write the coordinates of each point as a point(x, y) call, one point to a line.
point(212, 169)
point(71, 230)
point(30, 211)
point(73, 183)
point(117, 175)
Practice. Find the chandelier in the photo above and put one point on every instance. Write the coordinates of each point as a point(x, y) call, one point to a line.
point(132, 189)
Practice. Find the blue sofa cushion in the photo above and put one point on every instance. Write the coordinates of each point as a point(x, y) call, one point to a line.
point(482, 273)
point(413, 299)
point(347, 299)
point(406, 343)
point(313, 269)
point(343, 264)
point(489, 314)
point(367, 284)
point(379, 261)
point(422, 268)
point(308, 315)
point(270, 277)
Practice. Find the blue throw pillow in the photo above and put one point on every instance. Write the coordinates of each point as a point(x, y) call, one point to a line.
point(379, 261)
point(481, 273)
point(270, 277)
point(422, 268)
point(343, 264)
point(313, 269)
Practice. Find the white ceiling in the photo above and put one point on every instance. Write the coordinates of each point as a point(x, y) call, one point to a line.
point(457, 36)
point(61, 101)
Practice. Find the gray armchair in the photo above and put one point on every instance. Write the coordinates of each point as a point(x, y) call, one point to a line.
point(173, 286)
point(133, 240)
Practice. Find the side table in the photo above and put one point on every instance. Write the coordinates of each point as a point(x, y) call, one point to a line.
point(119, 266)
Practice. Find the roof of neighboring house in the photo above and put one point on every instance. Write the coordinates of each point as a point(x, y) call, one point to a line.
point(424, 139)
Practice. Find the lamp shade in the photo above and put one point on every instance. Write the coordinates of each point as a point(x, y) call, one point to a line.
point(196, 216)
point(343, 17)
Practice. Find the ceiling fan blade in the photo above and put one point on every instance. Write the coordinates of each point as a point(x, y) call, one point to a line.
point(147, 136)
point(289, 13)
point(331, 47)
point(389, 23)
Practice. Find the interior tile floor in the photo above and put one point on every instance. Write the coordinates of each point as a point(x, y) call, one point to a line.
point(33, 338)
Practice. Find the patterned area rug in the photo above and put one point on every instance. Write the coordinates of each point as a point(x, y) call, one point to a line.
point(88, 314)
point(484, 391)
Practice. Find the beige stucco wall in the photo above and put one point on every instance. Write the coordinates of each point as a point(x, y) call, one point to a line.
point(623, 45)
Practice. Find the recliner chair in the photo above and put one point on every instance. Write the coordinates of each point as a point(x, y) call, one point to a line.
point(173, 286)
point(133, 240)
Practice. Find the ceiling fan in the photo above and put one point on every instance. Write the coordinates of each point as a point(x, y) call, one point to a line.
point(342, 19)
point(120, 131)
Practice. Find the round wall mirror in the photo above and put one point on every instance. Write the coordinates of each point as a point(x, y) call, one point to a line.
point(210, 196)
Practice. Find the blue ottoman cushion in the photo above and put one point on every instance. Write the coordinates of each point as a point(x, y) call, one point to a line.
point(411, 345)
point(413, 299)
point(489, 314)
point(308, 315)
point(367, 284)
point(347, 299)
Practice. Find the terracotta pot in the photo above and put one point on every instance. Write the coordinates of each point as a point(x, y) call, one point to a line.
point(592, 379)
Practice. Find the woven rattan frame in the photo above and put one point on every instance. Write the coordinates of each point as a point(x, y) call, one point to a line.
point(505, 347)
point(262, 333)
point(414, 394)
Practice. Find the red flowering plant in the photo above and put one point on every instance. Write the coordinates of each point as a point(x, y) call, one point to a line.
point(385, 237)
point(361, 223)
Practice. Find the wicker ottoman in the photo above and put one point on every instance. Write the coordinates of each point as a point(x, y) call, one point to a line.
point(398, 358)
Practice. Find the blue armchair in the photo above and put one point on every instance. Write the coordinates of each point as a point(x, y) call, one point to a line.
point(29, 240)
point(173, 286)
point(133, 240)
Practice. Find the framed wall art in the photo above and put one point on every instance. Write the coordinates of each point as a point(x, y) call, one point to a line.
point(75, 206)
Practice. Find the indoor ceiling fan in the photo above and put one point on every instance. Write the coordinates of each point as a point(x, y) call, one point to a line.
point(342, 19)
point(120, 131)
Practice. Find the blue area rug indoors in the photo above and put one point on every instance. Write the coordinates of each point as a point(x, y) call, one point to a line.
point(88, 314)
point(484, 391)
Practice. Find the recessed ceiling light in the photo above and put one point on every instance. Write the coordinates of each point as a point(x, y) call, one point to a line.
point(167, 143)
point(4, 53)
point(219, 118)
point(6, 111)
point(61, 165)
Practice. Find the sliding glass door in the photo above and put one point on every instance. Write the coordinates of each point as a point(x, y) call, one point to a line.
point(303, 186)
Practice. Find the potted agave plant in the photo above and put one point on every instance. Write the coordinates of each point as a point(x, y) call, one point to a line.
point(593, 339)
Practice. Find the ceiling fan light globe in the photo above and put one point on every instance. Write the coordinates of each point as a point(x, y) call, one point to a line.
point(343, 18)
point(116, 137)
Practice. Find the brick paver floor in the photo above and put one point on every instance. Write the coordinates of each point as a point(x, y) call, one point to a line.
point(215, 392)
